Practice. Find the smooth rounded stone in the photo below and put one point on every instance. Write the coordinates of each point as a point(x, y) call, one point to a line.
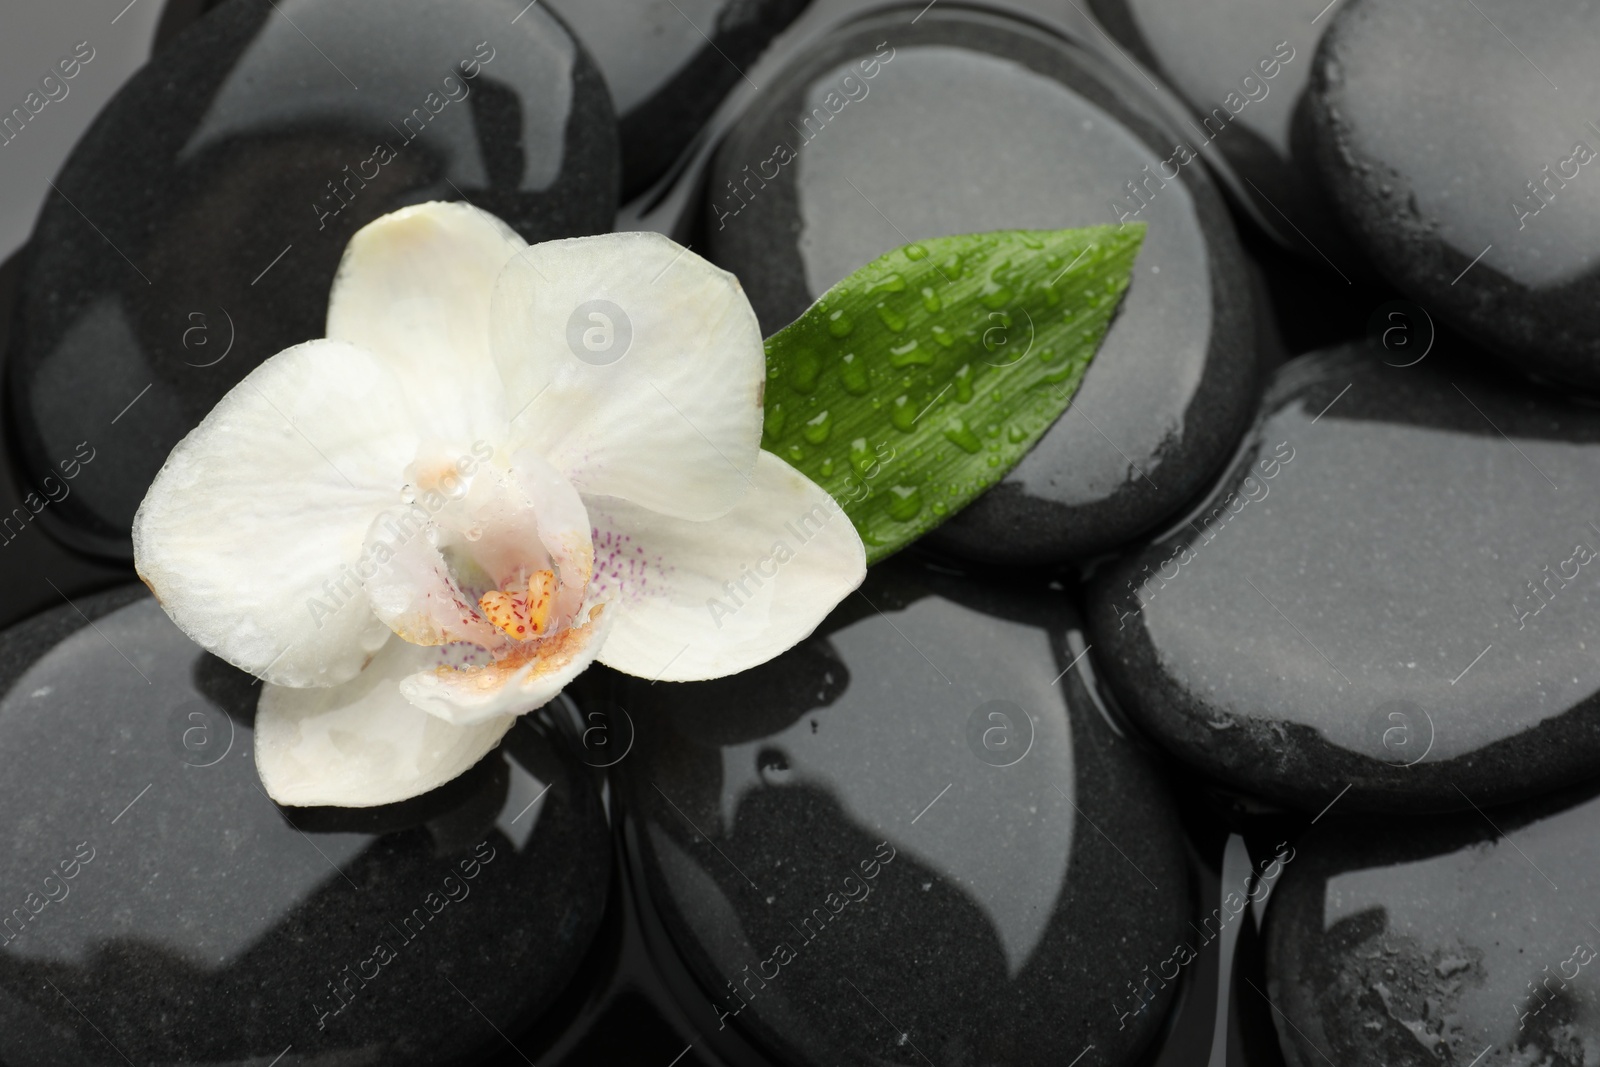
point(1242, 67)
point(1484, 207)
point(161, 909)
point(1441, 941)
point(36, 571)
point(967, 122)
point(56, 71)
point(919, 814)
point(1393, 591)
point(666, 76)
point(200, 221)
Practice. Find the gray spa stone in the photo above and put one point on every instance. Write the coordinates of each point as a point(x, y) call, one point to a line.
point(1395, 592)
point(668, 64)
point(884, 132)
point(198, 224)
point(161, 909)
point(1483, 206)
point(1468, 940)
point(920, 814)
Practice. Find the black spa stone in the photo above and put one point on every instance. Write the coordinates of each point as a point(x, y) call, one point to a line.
point(1395, 592)
point(198, 224)
point(1415, 943)
point(914, 835)
point(161, 909)
point(36, 571)
point(669, 63)
point(1242, 68)
point(1484, 207)
point(886, 132)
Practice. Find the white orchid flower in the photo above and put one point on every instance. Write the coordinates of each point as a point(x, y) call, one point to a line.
point(431, 521)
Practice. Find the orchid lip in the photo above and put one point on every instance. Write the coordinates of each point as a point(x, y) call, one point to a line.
point(493, 556)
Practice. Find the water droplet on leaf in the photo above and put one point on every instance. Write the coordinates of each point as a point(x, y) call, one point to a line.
point(903, 414)
point(909, 354)
point(905, 502)
point(960, 434)
point(803, 374)
point(853, 372)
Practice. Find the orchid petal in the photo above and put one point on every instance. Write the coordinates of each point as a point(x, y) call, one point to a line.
point(414, 288)
point(698, 600)
point(250, 531)
point(362, 743)
point(635, 367)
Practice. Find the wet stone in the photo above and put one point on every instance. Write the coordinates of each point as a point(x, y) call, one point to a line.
point(200, 221)
point(161, 909)
point(665, 77)
point(966, 122)
point(1483, 207)
point(1441, 941)
point(1393, 592)
point(31, 561)
point(919, 814)
point(1242, 67)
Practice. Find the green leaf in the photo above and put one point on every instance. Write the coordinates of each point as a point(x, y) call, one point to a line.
point(920, 380)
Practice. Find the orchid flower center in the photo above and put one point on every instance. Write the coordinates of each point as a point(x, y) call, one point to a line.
point(488, 560)
point(522, 614)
